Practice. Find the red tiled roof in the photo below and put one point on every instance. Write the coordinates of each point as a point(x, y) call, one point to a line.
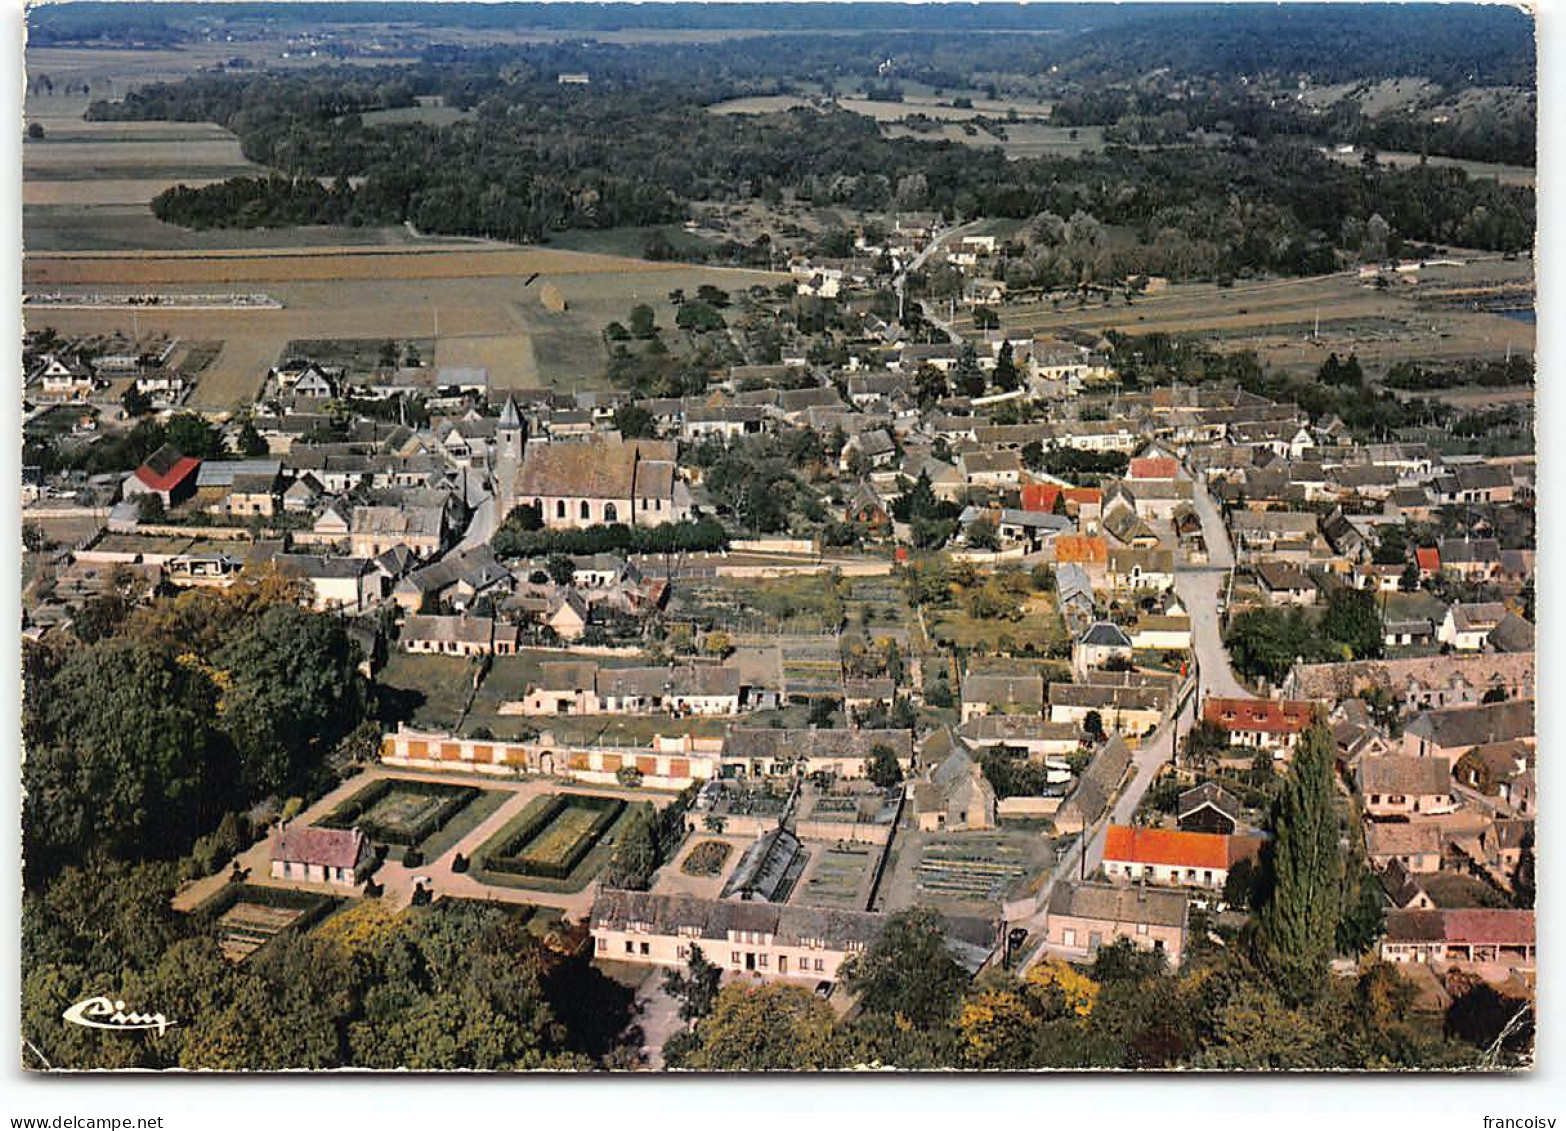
point(164, 477)
point(1428, 559)
point(332, 848)
point(1040, 496)
point(1081, 548)
point(1146, 468)
point(1090, 496)
point(1166, 846)
point(1272, 716)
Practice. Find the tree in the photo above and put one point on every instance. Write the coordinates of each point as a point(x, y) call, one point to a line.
point(149, 508)
point(635, 856)
point(696, 986)
point(135, 402)
point(194, 435)
point(123, 755)
point(1205, 743)
point(1522, 875)
point(770, 1027)
point(983, 534)
point(561, 569)
point(882, 766)
point(643, 321)
point(1298, 920)
point(1351, 619)
point(292, 690)
point(909, 971)
point(634, 422)
point(251, 443)
point(99, 617)
point(1006, 375)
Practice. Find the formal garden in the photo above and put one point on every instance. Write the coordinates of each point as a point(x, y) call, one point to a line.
point(558, 843)
point(427, 816)
point(248, 916)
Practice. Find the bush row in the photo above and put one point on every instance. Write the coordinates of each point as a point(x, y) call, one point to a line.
point(509, 858)
point(351, 813)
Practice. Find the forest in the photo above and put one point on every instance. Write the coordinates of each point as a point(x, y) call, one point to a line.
point(637, 146)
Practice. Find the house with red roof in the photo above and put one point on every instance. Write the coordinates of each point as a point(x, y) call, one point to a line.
point(1151, 468)
point(1091, 553)
point(1042, 497)
point(340, 857)
point(166, 474)
point(1260, 724)
point(1469, 936)
point(1086, 505)
point(1175, 857)
point(1428, 559)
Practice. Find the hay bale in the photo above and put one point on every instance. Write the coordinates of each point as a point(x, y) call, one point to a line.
point(552, 299)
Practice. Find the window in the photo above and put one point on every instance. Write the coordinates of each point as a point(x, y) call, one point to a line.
point(682, 951)
point(1069, 937)
point(560, 511)
point(734, 957)
point(820, 966)
point(603, 944)
point(646, 948)
point(630, 947)
point(586, 511)
point(1141, 928)
point(761, 960)
point(611, 513)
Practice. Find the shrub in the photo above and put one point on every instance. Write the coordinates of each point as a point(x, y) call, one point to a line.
point(459, 863)
point(412, 858)
point(706, 859)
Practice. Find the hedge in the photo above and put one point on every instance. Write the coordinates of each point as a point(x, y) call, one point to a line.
point(508, 857)
point(351, 813)
point(513, 540)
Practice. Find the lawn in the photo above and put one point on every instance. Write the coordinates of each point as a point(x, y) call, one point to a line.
point(468, 818)
point(412, 813)
point(585, 869)
point(429, 691)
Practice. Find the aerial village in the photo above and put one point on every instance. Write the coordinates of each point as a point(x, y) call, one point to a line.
point(880, 614)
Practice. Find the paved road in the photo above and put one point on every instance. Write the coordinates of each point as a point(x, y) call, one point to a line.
point(918, 261)
point(1200, 588)
point(1145, 766)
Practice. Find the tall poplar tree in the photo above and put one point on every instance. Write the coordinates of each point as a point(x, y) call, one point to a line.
point(1297, 923)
